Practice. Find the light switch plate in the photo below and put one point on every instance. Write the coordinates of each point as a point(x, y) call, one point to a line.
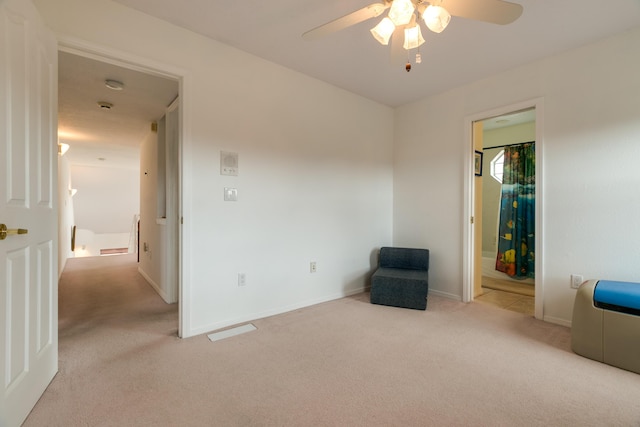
point(230, 194)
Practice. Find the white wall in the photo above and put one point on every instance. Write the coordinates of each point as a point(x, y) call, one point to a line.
point(152, 229)
point(589, 160)
point(65, 213)
point(104, 207)
point(107, 198)
point(315, 180)
point(89, 243)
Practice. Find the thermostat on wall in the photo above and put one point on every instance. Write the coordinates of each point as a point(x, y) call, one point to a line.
point(228, 163)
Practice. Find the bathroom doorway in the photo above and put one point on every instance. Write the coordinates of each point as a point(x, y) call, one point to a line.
point(503, 127)
point(508, 275)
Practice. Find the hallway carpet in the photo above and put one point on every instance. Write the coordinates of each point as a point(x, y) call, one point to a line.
point(342, 363)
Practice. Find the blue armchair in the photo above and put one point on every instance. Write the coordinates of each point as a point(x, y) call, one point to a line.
point(401, 279)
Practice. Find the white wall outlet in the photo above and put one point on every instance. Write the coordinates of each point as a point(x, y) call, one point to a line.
point(242, 279)
point(576, 280)
point(313, 267)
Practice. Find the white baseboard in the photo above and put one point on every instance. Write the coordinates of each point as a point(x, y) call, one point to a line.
point(154, 285)
point(557, 321)
point(267, 313)
point(445, 295)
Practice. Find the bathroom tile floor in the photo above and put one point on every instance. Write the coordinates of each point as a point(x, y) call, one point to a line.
point(507, 300)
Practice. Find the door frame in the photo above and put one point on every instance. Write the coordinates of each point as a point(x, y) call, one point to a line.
point(146, 65)
point(468, 262)
point(172, 228)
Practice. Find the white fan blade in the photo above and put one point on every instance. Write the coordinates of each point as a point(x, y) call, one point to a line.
point(493, 11)
point(353, 18)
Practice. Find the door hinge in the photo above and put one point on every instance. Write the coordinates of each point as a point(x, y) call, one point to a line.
point(472, 220)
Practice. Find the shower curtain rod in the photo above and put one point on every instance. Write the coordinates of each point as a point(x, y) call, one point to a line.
point(508, 145)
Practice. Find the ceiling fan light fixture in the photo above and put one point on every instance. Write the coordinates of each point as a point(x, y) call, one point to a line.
point(412, 37)
point(383, 31)
point(436, 18)
point(401, 11)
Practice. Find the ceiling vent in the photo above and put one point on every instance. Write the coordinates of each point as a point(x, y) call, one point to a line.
point(105, 105)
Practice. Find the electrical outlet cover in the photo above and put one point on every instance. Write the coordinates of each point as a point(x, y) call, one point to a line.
point(576, 280)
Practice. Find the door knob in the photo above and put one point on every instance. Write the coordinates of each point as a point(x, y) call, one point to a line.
point(4, 231)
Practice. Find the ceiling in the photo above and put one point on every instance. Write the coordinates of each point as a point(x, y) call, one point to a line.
point(515, 118)
point(351, 59)
point(107, 137)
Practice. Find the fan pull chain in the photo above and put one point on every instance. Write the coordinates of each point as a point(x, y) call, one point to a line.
point(408, 64)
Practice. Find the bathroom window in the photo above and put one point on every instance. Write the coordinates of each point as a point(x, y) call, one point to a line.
point(497, 166)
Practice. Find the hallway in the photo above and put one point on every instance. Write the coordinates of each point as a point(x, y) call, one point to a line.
point(110, 321)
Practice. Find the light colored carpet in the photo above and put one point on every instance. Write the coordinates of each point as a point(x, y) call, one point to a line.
point(341, 363)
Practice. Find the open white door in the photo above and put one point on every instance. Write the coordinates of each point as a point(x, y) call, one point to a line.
point(28, 174)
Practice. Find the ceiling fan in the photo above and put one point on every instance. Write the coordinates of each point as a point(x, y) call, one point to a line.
point(401, 25)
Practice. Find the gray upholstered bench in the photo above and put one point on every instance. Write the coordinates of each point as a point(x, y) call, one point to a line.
point(401, 279)
point(606, 323)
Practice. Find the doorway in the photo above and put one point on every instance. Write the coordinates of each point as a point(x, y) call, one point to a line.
point(507, 278)
point(149, 95)
point(475, 244)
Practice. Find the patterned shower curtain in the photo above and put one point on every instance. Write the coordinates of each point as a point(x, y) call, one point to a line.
point(516, 229)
